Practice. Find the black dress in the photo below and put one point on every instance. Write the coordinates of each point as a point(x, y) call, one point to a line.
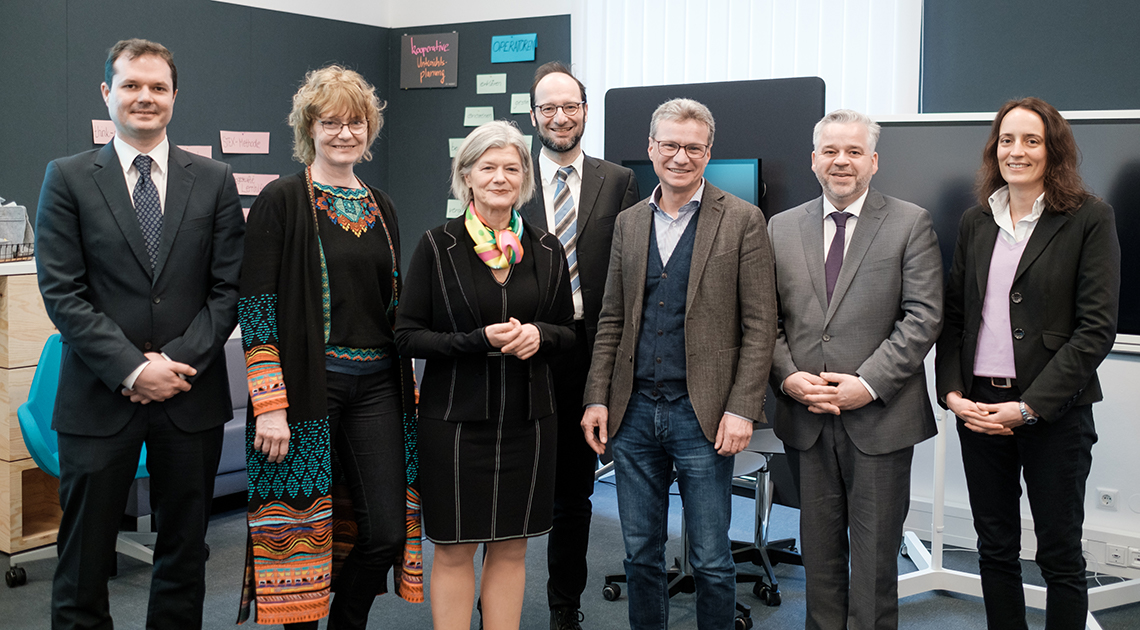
point(492, 479)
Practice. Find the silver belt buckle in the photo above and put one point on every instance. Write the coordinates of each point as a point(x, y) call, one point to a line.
point(1001, 383)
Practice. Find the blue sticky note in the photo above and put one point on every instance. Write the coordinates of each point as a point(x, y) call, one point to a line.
point(509, 48)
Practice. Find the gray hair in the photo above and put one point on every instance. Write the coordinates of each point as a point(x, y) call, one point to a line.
point(497, 134)
point(843, 117)
point(680, 110)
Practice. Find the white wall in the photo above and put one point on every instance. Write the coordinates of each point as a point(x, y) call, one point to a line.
point(401, 13)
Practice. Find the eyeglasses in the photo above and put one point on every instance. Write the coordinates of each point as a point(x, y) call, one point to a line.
point(333, 127)
point(694, 151)
point(569, 109)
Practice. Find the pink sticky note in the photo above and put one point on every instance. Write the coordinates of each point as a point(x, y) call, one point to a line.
point(203, 150)
point(245, 141)
point(252, 183)
point(102, 131)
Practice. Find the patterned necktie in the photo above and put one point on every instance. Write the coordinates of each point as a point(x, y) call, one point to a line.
point(566, 223)
point(834, 260)
point(148, 207)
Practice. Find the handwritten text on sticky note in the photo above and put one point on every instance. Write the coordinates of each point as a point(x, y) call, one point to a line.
point(453, 146)
point(475, 116)
point(102, 131)
point(454, 208)
point(508, 48)
point(252, 183)
point(245, 141)
point(520, 103)
point(491, 83)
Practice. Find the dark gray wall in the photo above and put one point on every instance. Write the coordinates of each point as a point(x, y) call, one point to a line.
point(423, 119)
point(237, 70)
point(977, 54)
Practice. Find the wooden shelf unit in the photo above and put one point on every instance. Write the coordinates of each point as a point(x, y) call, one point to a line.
point(29, 497)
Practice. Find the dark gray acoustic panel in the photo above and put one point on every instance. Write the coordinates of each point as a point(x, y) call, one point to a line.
point(770, 119)
point(977, 54)
point(238, 68)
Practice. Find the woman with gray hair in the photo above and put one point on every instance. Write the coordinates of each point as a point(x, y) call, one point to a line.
point(488, 304)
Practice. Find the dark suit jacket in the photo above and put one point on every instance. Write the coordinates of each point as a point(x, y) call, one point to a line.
point(730, 312)
point(108, 304)
point(607, 189)
point(1064, 303)
point(439, 320)
point(883, 318)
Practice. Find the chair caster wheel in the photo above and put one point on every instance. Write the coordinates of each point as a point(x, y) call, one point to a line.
point(766, 594)
point(611, 592)
point(16, 576)
point(742, 623)
point(903, 551)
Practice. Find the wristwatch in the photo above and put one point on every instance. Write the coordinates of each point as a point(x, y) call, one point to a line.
point(1026, 417)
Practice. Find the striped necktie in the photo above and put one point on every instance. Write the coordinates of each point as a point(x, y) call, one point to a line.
point(148, 207)
point(566, 223)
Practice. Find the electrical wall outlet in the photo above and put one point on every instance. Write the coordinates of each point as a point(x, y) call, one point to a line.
point(1106, 498)
point(1116, 555)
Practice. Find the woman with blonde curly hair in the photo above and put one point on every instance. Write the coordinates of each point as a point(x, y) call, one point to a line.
point(330, 397)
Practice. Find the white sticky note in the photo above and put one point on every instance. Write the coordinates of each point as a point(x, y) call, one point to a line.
point(520, 103)
point(529, 142)
point(475, 116)
point(491, 83)
point(453, 146)
point(102, 131)
point(454, 208)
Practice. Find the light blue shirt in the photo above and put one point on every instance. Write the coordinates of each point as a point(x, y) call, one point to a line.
point(669, 230)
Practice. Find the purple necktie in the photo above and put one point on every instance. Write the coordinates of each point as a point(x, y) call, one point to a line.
point(834, 261)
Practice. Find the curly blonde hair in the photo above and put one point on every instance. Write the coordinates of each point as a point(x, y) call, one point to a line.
point(333, 90)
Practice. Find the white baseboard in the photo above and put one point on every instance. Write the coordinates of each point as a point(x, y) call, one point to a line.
point(958, 531)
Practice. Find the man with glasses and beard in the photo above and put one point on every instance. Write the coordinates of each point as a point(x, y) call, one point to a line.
point(581, 197)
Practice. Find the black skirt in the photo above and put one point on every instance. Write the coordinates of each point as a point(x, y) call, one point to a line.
point(487, 481)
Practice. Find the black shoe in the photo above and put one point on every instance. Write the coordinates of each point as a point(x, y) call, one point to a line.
point(565, 619)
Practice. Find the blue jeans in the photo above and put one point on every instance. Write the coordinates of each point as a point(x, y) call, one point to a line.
point(654, 438)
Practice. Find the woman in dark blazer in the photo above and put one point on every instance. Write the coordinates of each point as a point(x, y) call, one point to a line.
point(1030, 312)
point(488, 304)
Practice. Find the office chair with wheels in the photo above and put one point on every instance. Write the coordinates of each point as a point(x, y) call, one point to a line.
point(35, 425)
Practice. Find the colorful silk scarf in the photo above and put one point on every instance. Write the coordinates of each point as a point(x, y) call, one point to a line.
point(498, 249)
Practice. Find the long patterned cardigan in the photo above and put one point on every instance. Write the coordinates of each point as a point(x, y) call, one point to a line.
point(292, 525)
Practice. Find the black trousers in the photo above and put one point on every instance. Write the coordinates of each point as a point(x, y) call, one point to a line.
point(368, 438)
point(574, 481)
point(95, 476)
point(1055, 457)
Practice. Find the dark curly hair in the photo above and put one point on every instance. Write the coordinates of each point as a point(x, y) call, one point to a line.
point(1064, 189)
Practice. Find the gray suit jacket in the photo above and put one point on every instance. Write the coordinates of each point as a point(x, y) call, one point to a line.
point(884, 316)
point(730, 312)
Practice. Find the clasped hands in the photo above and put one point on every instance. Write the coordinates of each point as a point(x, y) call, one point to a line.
point(827, 392)
point(159, 380)
point(988, 418)
point(514, 337)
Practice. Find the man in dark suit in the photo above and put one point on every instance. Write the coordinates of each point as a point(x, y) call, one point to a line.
point(579, 199)
point(683, 348)
point(138, 250)
point(859, 276)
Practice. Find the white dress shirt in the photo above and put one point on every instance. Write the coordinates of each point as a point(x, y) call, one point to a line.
point(1013, 234)
point(160, 158)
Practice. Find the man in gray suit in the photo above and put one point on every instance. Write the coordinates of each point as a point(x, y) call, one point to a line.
point(859, 277)
point(682, 352)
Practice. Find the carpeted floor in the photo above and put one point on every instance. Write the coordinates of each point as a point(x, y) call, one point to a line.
point(27, 607)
